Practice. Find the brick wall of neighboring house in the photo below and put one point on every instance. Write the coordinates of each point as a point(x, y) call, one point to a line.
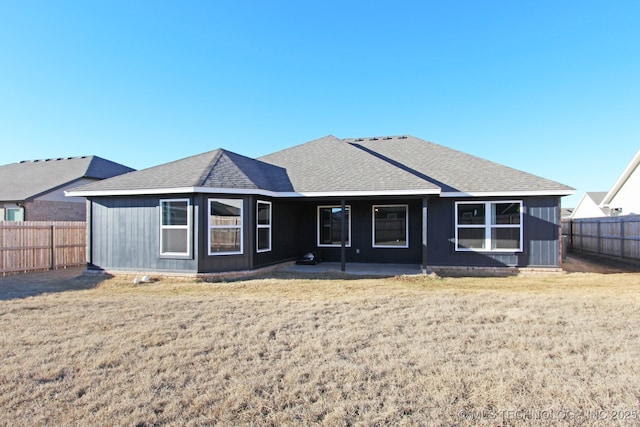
point(43, 210)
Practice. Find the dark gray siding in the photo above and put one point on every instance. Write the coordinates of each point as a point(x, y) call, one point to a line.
point(362, 249)
point(220, 263)
point(285, 229)
point(125, 235)
point(541, 236)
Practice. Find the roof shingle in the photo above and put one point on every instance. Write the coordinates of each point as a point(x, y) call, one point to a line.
point(28, 179)
point(328, 165)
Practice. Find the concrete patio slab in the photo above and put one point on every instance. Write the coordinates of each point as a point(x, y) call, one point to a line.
point(364, 269)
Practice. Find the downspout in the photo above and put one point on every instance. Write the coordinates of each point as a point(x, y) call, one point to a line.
point(425, 259)
point(89, 220)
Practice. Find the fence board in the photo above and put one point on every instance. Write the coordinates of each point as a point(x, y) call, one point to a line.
point(617, 236)
point(41, 245)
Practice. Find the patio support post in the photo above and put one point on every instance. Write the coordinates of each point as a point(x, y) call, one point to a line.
point(425, 268)
point(343, 236)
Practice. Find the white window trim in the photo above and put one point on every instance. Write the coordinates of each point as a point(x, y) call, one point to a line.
point(176, 227)
point(373, 226)
point(264, 226)
point(211, 227)
point(324, 245)
point(488, 226)
point(20, 211)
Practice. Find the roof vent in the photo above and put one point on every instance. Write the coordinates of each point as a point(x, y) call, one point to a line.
point(402, 137)
point(359, 139)
point(373, 139)
point(386, 138)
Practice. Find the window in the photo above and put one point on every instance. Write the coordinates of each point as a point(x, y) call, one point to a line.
point(489, 226)
point(263, 228)
point(330, 223)
point(175, 227)
point(390, 226)
point(225, 226)
point(14, 214)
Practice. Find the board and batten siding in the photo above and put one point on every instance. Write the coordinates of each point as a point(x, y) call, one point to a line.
point(125, 235)
point(541, 234)
point(361, 248)
point(221, 263)
point(285, 233)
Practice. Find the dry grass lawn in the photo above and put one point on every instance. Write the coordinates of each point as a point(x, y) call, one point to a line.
point(537, 350)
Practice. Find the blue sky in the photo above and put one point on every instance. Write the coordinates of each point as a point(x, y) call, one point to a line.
point(549, 87)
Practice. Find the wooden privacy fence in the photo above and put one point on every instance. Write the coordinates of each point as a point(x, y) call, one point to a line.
point(42, 245)
point(617, 236)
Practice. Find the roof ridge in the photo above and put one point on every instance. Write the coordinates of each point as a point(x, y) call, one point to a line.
point(212, 165)
point(238, 168)
point(376, 138)
point(56, 159)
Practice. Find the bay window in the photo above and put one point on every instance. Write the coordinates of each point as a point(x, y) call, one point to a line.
point(225, 226)
point(263, 227)
point(175, 227)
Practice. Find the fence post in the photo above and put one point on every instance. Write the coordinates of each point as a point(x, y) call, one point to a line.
point(581, 236)
point(53, 248)
point(621, 237)
point(599, 237)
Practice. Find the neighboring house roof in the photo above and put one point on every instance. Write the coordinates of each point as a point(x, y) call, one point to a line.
point(332, 166)
point(590, 205)
point(620, 183)
point(566, 212)
point(28, 179)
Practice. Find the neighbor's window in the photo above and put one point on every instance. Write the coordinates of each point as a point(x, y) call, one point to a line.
point(390, 226)
point(489, 226)
point(14, 214)
point(225, 226)
point(263, 230)
point(175, 227)
point(329, 225)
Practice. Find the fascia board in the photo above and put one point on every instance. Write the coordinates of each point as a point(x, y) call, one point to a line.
point(508, 193)
point(259, 192)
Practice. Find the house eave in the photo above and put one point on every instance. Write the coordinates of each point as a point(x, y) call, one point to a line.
point(250, 191)
point(528, 193)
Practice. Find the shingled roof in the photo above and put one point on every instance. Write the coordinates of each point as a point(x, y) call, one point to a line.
point(28, 179)
point(330, 165)
point(453, 171)
point(219, 169)
point(399, 165)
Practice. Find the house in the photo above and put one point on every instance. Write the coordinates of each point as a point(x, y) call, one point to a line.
point(34, 190)
point(385, 200)
point(565, 213)
point(624, 196)
point(590, 206)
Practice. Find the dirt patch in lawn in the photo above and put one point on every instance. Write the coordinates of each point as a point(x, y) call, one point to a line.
point(585, 263)
point(52, 281)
